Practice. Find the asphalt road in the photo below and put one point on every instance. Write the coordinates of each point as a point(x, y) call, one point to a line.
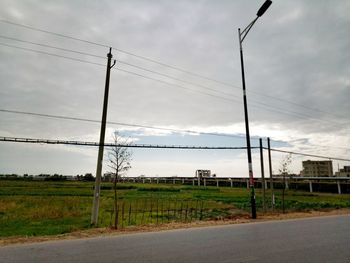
point(322, 239)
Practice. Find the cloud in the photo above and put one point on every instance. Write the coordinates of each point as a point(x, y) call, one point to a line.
point(296, 61)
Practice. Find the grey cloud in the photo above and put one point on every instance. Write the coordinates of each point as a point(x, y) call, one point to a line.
point(298, 51)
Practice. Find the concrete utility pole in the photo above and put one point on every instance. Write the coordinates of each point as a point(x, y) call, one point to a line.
point(95, 205)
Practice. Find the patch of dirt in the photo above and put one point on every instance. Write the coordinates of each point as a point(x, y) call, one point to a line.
point(239, 219)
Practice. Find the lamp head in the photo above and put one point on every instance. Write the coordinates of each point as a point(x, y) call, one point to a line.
point(263, 8)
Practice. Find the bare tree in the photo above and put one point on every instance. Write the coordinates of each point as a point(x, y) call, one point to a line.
point(119, 157)
point(284, 171)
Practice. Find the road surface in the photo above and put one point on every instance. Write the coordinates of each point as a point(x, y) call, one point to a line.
point(322, 239)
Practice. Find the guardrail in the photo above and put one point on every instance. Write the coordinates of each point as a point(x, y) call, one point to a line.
point(321, 184)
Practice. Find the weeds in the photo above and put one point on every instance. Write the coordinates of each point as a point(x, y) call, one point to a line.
point(48, 208)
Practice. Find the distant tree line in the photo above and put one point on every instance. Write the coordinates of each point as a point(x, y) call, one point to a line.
point(49, 177)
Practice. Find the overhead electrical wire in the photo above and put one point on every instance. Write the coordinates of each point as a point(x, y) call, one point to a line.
point(153, 146)
point(119, 69)
point(50, 46)
point(146, 126)
point(176, 85)
point(309, 155)
point(107, 46)
point(162, 64)
point(131, 145)
point(52, 33)
point(118, 61)
point(177, 79)
point(123, 124)
point(142, 68)
point(52, 54)
point(266, 106)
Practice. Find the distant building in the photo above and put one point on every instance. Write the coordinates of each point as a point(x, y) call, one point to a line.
point(203, 173)
point(317, 168)
point(345, 172)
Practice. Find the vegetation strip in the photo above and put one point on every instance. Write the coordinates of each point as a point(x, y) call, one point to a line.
point(30, 208)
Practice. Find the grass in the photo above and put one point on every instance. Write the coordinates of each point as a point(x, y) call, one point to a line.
point(29, 208)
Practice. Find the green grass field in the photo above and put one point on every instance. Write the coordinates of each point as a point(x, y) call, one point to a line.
point(29, 208)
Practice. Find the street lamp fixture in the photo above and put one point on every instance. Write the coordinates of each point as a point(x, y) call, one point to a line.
point(242, 36)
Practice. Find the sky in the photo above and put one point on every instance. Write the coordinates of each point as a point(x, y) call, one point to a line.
point(178, 67)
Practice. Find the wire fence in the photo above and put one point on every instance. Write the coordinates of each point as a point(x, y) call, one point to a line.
point(160, 211)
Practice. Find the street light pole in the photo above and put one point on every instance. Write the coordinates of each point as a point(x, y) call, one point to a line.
point(241, 36)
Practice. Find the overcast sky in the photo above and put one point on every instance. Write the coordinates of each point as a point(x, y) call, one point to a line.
point(297, 75)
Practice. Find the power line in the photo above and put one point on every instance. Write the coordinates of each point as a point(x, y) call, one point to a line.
point(52, 54)
point(121, 124)
point(117, 49)
point(95, 144)
point(152, 146)
point(126, 71)
point(309, 155)
point(147, 127)
point(270, 108)
point(52, 33)
point(162, 64)
point(176, 85)
point(174, 78)
point(137, 125)
point(289, 112)
point(257, 103)
point(151, 60)
point(50, 46)
point(296, 104)
point(266, 106)
point(97, 56)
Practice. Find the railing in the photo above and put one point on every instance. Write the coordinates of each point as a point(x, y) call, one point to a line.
point(322, 184)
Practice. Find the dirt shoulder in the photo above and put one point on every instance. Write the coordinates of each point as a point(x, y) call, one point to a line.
point(98, 232)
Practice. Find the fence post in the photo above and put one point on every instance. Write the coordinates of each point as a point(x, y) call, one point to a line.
point(231, 182)
point(181, 210)
point(143, 211)
point(339, 187)
point(169, 210)
point(310, 185)
point(201, 211)
point(123, 214)
point(150, 212)
point(205, 182)
point(157, 211)
point(217, 183)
